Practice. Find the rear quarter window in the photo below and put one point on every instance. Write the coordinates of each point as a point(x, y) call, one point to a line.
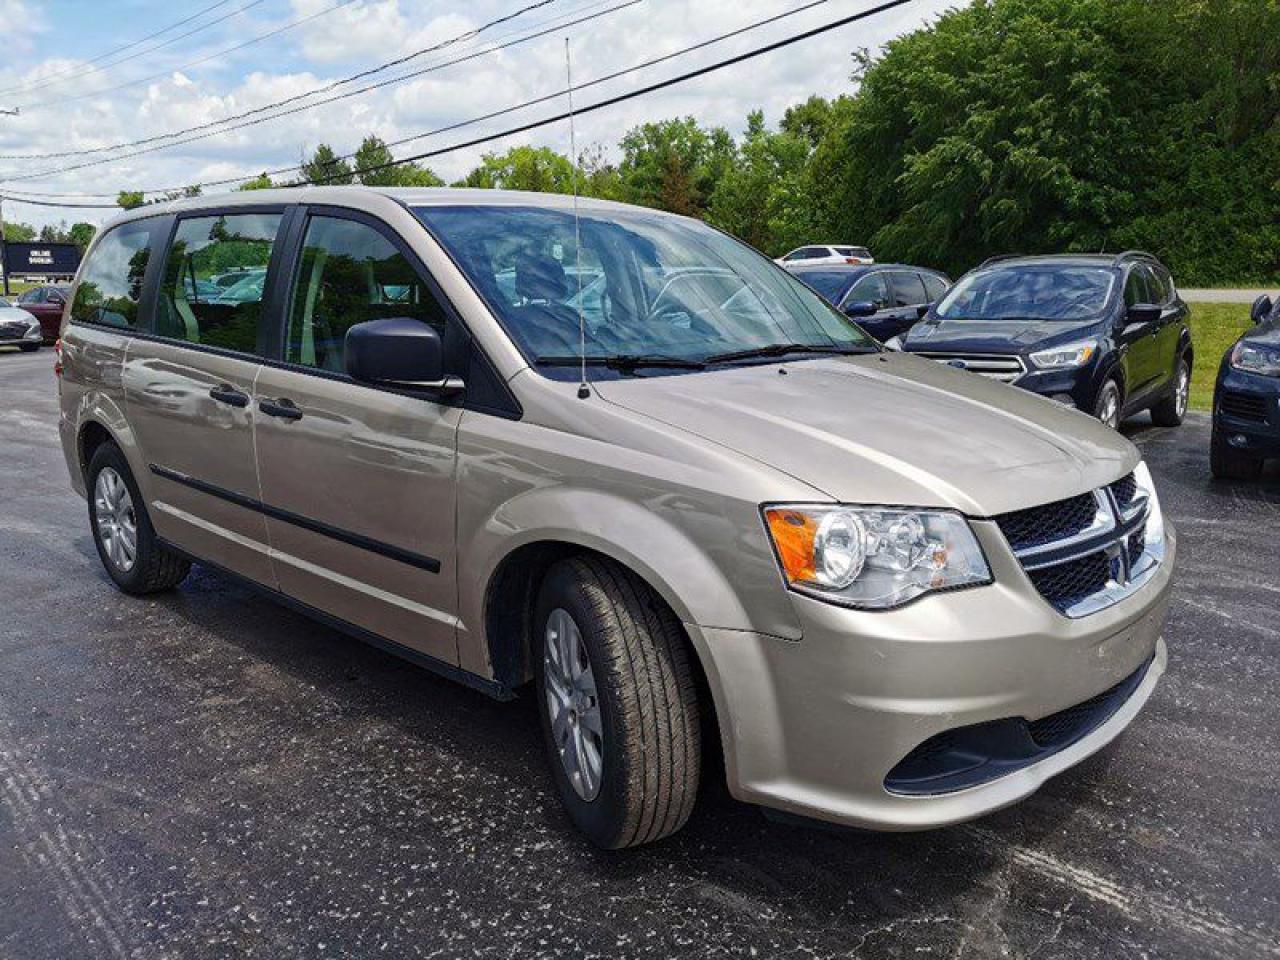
point(111, 281)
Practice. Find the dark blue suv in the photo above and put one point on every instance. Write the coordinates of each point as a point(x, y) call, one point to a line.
point(885, 299)
point(1246, 400)
point(1106, 334)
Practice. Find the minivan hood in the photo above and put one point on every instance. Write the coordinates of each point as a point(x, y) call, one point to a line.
point(890, 429)
point(995, 336)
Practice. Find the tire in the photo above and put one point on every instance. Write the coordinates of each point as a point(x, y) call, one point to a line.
point(1170, 411)
point(151, 568)
point(1227, 463)
point(28, 347)
point(645, 703)
point(1109, 405)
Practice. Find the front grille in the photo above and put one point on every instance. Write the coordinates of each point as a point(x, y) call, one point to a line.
point(14, 328)
point(1066, 584)
point(1086, 552)
point(1125, 490)
point(1243, 406)
point(1000, 367)
point(1037, 526)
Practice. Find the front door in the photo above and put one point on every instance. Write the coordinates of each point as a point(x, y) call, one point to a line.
point(357, 481)
point(1142, 341)
point(189, 390)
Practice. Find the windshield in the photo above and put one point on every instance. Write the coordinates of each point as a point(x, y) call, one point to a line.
point(1048, 292)
point(653, 287)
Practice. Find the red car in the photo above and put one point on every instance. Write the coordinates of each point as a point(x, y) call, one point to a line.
point(45, 303)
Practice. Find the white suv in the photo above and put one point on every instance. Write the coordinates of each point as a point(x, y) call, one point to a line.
point(825, 254)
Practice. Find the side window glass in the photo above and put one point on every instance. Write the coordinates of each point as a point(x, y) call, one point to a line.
point(350, 273)
point(908, 291)
point(34, 296)
point(934, 287)
point(111, 282)
point(872, 288)
point(1135, 288)
point(214, 280)
point(1160, 287)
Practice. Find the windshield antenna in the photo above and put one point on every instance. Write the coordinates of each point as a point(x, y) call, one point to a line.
point(584, 391)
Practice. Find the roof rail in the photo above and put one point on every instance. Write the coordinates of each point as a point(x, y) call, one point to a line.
point(997, 259)
point(1128, 254)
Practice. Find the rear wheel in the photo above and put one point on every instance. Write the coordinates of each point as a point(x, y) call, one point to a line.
point(1109, 404)
point(618, 703)
point(122, 531)
point(1170, 411)
point(1227, 463)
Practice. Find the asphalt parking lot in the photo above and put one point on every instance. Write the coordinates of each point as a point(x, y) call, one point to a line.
point(206, 774)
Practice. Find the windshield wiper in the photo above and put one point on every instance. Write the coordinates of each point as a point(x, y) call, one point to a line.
point(624, 361)
point(783, 349)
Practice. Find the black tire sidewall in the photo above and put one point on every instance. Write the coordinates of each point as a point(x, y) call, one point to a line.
point(109, 455)
point(601, 819)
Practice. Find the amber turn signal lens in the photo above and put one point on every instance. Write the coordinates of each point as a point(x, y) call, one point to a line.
point(793, 535)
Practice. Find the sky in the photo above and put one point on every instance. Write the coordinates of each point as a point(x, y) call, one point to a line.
point(67, 68)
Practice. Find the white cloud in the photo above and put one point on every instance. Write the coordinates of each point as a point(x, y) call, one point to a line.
point(365, 33)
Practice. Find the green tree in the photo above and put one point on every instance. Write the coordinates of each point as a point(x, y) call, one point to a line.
point(674, 164)
point(1051, 125)
point(327, 167)
point(371, 167)
point(129, 199)
point(260, 182)
point(523, 168)
point(81, 234)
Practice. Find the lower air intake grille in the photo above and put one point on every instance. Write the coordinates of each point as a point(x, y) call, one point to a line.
point(1243, 406)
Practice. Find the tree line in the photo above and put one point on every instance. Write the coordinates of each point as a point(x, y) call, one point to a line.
point(1004, 126)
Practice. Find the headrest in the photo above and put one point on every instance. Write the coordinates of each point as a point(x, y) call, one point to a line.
point(540, 278)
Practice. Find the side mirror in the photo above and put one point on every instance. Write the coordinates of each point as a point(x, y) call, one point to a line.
point(1261, 309)
point(860, 308)
point(1143, 313)
point(397, 351)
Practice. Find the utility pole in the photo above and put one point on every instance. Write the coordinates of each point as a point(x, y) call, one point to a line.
point(4, 257)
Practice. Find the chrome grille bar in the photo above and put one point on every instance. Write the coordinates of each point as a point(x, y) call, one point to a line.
point(1006, 368)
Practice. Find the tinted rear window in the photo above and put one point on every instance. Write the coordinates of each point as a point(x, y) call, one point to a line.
point(111, 281)
point(831, 284)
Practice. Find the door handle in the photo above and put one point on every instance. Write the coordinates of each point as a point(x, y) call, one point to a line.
point(284, 408)
point(225, 393)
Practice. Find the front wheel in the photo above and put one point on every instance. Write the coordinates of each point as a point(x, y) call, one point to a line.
point(1108, 405)
point(1170, 411)
point(618, 703)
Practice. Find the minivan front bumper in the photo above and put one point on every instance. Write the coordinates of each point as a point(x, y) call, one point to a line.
point(815, 726)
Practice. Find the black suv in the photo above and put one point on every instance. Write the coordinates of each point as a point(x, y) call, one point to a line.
point(886, 299)
point(1106, 334)
point(1246, 400)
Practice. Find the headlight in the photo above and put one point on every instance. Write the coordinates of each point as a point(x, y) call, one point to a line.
point(1155, 518)
point(873, 558)
point(1066, 356)
point(1256, 358)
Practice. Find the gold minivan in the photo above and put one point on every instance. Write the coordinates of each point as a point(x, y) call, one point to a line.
point(616, 459)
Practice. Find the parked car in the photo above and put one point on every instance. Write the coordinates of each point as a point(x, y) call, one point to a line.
point(885, 300)
point(18, 328)
point(45, 303)
point(1106, 334)
point(826, 254)
point(1246, 399)
point(899, 595)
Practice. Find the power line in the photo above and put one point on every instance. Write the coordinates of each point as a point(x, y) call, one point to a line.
point(592, 107)
point(194, 63)
point(140, 53)
point(55, 77)
point(489, 116)
point(452, 41)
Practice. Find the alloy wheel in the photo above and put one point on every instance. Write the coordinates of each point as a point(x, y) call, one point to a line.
point(117, 524)
point(573, 704)
point(1109, 407)
point(1183, 393)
